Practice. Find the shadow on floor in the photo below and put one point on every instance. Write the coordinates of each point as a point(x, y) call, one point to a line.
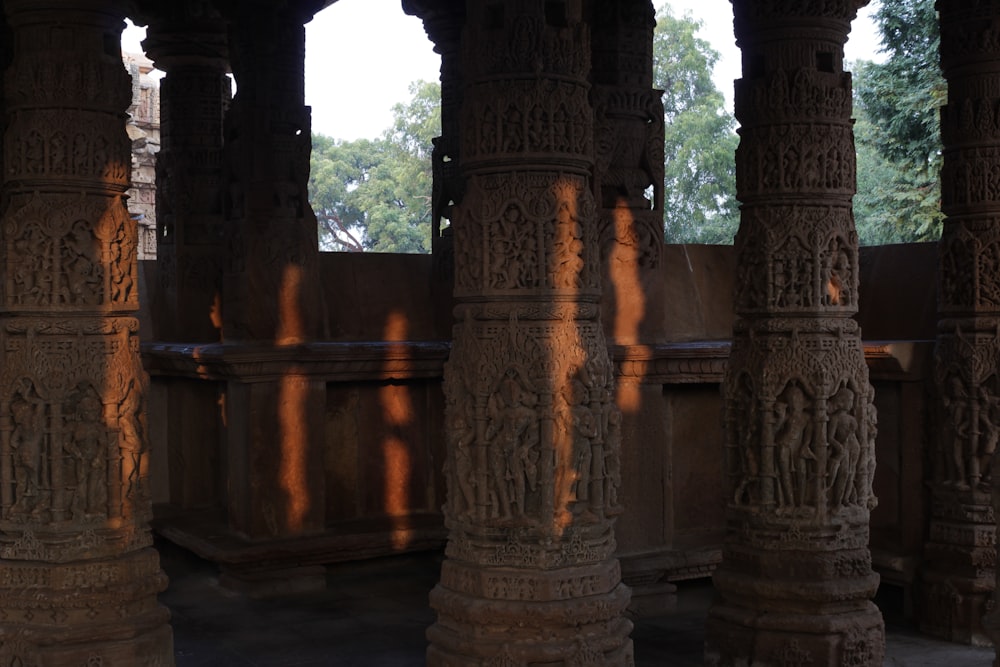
point(374, 614)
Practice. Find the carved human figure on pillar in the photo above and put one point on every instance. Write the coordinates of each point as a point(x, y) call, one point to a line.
point(461, 435)
point(955, 403)
point(581, 428)
point(88, 445)
point(793, 440)
point(27, 438)
point(844, 458)
point(513, 449)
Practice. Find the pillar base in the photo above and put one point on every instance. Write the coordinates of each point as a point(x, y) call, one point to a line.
point(743, 636)
point(95, 612)
point(652, 599)
point(571, 616)
point(952, 608)
point(958, 574)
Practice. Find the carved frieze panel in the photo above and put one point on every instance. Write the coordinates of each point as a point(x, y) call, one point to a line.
point(968, 34)
point(771, 10)
point(69, 251)
point(970, 177)
point(965, 373)
point(547, 118)
point(47, 80)
point(799, 158)
point(622, 43)
point(786, 96)
point(796, 258)
point(525, 232)
point(73, 450)
point(971, 117)
point(50, 143)
point(541, 398)
point(777, 456)
point(631, 237)
point(508, 42)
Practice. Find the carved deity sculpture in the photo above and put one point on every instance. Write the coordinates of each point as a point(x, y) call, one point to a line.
point(26, 441)
point(88, 445)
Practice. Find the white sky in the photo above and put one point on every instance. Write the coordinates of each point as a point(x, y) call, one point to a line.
point(361, 56)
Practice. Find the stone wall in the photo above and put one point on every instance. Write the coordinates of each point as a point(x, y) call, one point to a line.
point(386, 322)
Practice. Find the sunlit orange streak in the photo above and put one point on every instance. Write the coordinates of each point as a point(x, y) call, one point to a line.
point(398, 413)
point(293, 395)
point(630, 298)
point(623, 272)
point(566, 343)
point(291, 320)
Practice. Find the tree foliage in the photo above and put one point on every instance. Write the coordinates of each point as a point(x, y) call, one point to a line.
point(897, 131)
point(374, 194)
point(700, 140)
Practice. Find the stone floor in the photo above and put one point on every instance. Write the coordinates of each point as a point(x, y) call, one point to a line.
point(374, 614)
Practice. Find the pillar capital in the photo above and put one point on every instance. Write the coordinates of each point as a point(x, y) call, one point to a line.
point(186, 33)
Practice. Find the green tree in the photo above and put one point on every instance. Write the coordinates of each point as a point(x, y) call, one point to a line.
point(374, 194)
point(897, 131)
point(700, 140)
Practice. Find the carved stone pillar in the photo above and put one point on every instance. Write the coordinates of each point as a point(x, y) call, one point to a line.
point(187, 40)
point(443, 23)
point(532, 430)
point(796, 579)
point(628, 175)
point(960, 556)
point(79, 576)
point(271, 306)
point(628, 187)
point(271, 285)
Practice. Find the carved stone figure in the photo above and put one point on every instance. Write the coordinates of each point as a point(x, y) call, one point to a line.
point(843, 464)
point(88, 445)
point(793, 442)
point(26, 440)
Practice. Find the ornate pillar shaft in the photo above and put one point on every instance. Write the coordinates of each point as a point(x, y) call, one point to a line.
point(443, 23)
point(628, 188)
point(273, 407)
point(628, 174)
point(79, 575)
point(959, 558)
point(189, 44)
point(532, 431)
point(796, 578)
point(271, 283)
